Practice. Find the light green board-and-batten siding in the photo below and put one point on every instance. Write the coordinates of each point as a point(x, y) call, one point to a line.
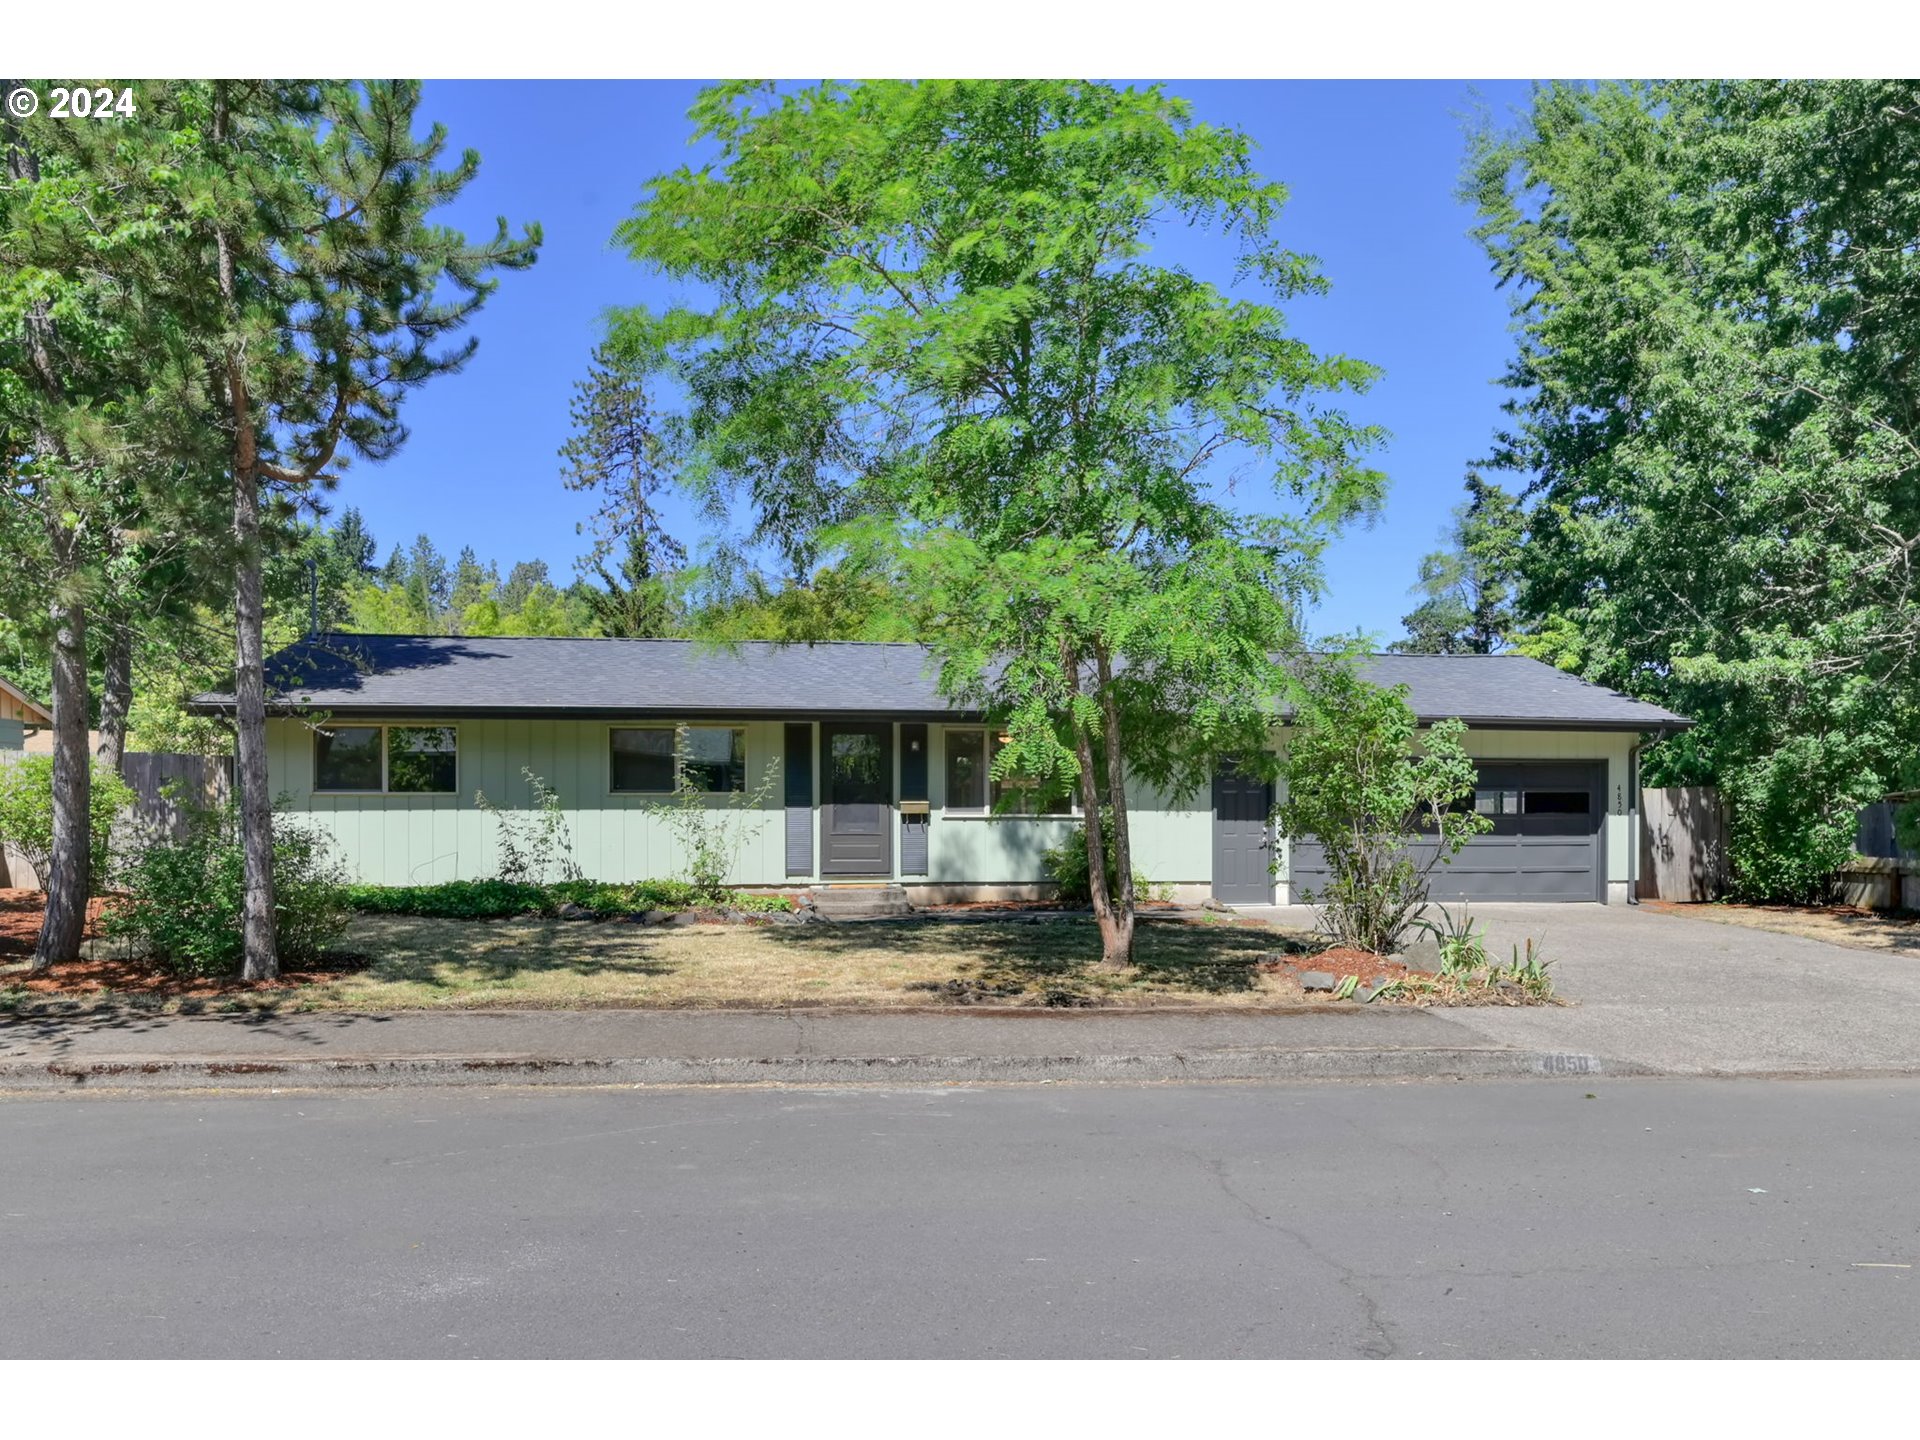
point(423, 839)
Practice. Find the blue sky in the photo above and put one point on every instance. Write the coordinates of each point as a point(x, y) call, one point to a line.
point(1371, 166)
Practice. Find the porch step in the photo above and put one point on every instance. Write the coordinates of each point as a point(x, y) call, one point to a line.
point(859, 902)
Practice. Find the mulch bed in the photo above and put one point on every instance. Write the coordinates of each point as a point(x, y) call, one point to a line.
point(135, 977)
point(1341, 961)
point(20, 913)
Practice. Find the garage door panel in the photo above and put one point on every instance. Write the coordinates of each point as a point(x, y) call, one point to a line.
point(1556, 855)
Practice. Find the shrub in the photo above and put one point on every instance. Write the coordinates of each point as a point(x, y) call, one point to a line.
point(184, 898)
point(709, 836)
point(26, 812)
point(1067, 864)
point(453, 900)
point(500, 899)
point(533, 845)
point(1357, 784)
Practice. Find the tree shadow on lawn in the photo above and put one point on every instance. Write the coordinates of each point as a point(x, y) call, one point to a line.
point(457, 954)
point(1051, 961)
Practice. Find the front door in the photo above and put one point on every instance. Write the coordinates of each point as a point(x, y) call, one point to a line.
point(856, 799)
point(1242, 837)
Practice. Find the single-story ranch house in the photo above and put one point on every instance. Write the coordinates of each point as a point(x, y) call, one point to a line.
point(862, 772)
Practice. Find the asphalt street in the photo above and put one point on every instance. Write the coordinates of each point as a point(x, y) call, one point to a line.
point(1574, 1218)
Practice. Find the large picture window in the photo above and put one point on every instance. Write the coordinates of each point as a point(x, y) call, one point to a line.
point(386, 759)
point(971, 790)
point(715, 759)
point(645, 759)
point(421, 759)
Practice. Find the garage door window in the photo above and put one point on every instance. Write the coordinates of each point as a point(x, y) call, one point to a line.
point(1559, 802)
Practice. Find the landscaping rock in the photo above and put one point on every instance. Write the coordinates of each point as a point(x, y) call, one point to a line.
point(655, 917)
point(573, 911)
point(684, 917)
point(1317, 980)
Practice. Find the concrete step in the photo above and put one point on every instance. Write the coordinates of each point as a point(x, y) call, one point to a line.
point(859, 902)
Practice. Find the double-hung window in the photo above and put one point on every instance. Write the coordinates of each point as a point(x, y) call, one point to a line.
point(386, 759)
point(655, 759)
point(972, 790)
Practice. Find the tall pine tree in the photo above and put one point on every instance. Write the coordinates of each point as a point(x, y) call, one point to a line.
point(615, 455)
point(321, 296)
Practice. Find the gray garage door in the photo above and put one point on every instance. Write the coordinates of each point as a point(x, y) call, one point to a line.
point(1544, 845)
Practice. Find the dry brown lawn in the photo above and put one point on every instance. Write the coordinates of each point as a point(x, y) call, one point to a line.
point(419, 963)
point(1836, 924)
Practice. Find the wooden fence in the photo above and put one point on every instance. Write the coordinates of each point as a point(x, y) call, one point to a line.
point(166, 788)
point(1683, 852)
point(1683, 844)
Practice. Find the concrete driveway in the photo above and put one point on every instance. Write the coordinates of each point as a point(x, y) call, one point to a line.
point(1694, 997)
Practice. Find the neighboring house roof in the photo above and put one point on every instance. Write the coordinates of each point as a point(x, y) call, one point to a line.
point(441, 676)
point(39, 714)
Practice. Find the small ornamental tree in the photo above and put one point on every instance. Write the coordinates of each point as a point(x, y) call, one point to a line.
point(1362, 784)
point(928, 333)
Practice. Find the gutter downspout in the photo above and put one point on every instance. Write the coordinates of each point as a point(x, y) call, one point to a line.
point(1633, 824)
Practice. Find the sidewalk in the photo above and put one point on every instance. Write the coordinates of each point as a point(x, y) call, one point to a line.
point(1654, 994)
point(619, 1047)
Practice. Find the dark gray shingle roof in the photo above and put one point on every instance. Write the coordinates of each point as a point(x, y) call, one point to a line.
point(439, 675)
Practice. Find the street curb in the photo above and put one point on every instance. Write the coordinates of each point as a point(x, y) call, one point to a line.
point(1343, 1063)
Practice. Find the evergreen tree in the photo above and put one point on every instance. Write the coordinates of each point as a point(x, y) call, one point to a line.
point(320, 298)
point(429, 583)
point(616, 456)
point(473, 584)
point(1716, 297)
point(354, 542)
point(525, 577)
point(1470, 585)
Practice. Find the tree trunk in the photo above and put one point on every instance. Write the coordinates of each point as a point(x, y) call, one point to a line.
point(250, 735)
point(69, 867)
point(69, 864)
point(257, 930)
point(116, 697)
point(1117, 941)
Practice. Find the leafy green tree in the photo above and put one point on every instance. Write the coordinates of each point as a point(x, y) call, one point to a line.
point(521, 581)
point(1717, 297)
point(837, 602)
point(933, 309)
point(615, 456)
point(473, 584)
point(1384, 801)
point(100, 465)
point(1469, 586)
